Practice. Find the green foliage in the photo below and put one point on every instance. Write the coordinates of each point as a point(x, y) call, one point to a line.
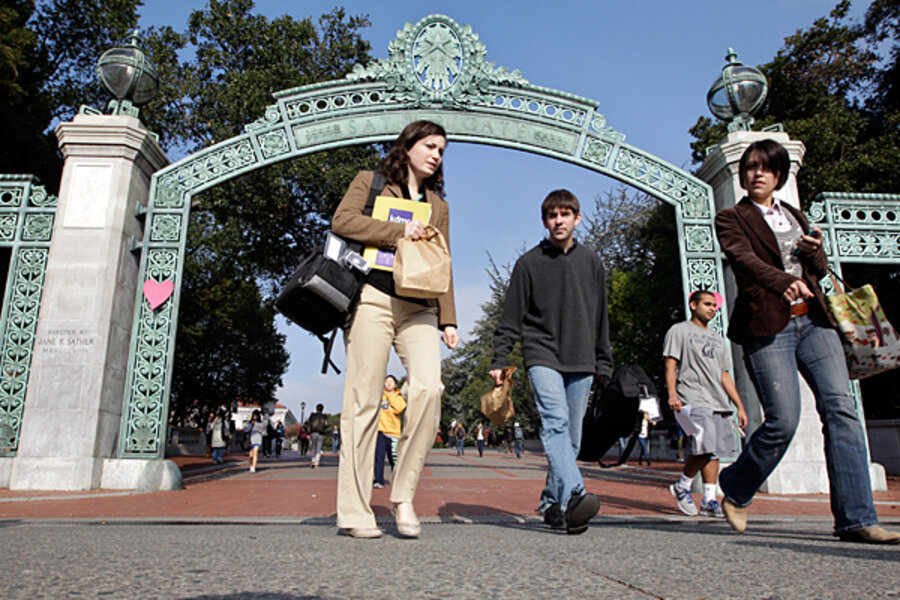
point(228, 348)
point(48, 53)
point(465, 372)
point(636, 237)
point(248, 234)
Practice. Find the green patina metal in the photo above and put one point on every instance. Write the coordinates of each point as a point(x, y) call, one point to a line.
point(26, 226)
point(437, 70)
point(857, 228)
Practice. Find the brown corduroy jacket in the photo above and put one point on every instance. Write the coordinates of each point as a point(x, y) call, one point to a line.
point(350, 222)
point(752, 251)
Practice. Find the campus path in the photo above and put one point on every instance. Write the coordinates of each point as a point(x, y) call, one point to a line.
point(231, 534)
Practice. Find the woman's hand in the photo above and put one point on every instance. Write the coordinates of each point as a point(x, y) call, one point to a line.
point(449, 335)
point(414, 230)
point(797, 291)
point(810, 244)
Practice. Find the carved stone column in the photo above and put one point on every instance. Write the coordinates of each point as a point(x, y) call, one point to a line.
point(802, 470)
point(74, 400)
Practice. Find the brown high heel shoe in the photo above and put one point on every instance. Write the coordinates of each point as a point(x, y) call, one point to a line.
point(407, 523)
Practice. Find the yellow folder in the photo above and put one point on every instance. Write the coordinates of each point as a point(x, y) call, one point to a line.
point(396, 210)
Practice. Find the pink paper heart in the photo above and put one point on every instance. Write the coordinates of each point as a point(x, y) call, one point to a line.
point(157, 293)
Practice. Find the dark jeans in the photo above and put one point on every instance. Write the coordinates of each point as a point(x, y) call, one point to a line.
point(382, 448)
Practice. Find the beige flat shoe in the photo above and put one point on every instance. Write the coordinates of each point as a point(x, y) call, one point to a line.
point(735, 515)
point(362, 532)
point(407, 523)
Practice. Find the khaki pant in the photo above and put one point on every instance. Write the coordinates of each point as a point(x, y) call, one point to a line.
point(380, 322)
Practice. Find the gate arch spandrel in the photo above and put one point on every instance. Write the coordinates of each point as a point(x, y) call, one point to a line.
point(436, 70)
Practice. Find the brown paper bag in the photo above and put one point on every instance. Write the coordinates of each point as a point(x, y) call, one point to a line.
point(422, 267)
point(497, 404)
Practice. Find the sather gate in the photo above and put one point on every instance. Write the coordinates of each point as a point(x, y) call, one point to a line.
point(436, 70)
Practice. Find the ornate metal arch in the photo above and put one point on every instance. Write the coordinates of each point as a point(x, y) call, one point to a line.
point(437, 70)
point(27, 213)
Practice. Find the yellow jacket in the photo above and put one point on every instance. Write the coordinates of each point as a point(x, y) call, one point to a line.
point(392, 404)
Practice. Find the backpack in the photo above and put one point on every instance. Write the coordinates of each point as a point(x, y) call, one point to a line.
point(318, 423)
point(613, 413)
point(321, 295)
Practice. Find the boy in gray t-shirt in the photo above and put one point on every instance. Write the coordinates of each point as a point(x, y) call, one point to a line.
point(697, 376)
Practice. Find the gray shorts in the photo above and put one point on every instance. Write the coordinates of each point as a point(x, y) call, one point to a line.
point(717, 436)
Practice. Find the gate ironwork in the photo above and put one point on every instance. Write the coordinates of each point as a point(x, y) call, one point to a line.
point(436, 70)
point(27, 213)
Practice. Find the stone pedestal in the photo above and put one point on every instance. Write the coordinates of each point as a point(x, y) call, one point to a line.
point(74, 401)
point(802, 470)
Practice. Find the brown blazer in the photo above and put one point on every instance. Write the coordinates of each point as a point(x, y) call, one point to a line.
point(752, 251)
point(350, 222)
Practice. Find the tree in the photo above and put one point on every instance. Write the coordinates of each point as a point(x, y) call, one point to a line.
point(636, 238)
point(48, 53)
point(246, 236)
point(831, 89)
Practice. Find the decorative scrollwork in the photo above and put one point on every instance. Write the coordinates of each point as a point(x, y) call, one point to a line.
point(165, 228)
point(8, 223)
point(597, 151)
point(40, 198)
point(816, 212)
point(11, 195)
point(271, 117)
point(880, 244)
point(702, 274)
point(274, 143)
point(698, 238)
point(37, 228)
point(666, 181)
point(144, 418)
point(28, 271)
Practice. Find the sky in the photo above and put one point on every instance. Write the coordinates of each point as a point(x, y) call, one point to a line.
point(648, 63)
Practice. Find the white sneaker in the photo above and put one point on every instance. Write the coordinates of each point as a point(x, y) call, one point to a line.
point(253, 469)
point(685, 501)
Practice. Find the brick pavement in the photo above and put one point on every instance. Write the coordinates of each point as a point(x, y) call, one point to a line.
point(451, 487)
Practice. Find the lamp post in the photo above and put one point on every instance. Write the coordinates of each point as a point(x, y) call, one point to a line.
point(302, 409)
point(128, 76)
point(737, 94)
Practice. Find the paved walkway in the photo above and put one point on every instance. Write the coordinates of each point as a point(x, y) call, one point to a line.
point(451, 488)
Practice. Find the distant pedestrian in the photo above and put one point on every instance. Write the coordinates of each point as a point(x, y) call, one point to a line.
point(219, 434)
point(389, 428)
point(510, 439)
point(556, 306)
point(459, 434)
point(520, 439)
point(255, 429)
point(479, 438)
point(304, 440)
point(335, 439)
point(209, 419)
point(318, 425)
point(279, 438)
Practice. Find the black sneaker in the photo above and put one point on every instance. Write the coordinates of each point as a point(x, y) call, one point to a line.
point(579, 511)
point(554, 518)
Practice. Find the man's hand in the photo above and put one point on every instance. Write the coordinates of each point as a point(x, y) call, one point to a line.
point(450, 337)
point(497, 376)
point(742, 418)
point(797, 291)
point(675, 403)
point(414, 230)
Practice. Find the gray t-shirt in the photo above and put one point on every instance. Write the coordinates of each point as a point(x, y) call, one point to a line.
point(701, 357)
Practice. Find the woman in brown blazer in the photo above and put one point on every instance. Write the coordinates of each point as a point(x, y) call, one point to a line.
point(780, 319)
point(413, 170)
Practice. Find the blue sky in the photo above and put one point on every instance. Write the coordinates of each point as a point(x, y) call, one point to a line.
point(648, 63)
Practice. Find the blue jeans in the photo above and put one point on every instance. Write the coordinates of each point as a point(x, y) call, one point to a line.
point(382, 451)
point(460, 445)
point(561, 401)
point(218, 454)
point(518, 447)
point(813, 348)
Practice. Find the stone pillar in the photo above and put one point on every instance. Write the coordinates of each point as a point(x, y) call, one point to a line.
point(802, 470)
point(73, 405)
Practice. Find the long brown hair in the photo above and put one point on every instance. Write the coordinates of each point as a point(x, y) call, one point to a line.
point(395, 164)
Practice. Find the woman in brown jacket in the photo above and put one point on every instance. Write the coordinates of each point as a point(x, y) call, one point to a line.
point(412, 170)
point(780, 319)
